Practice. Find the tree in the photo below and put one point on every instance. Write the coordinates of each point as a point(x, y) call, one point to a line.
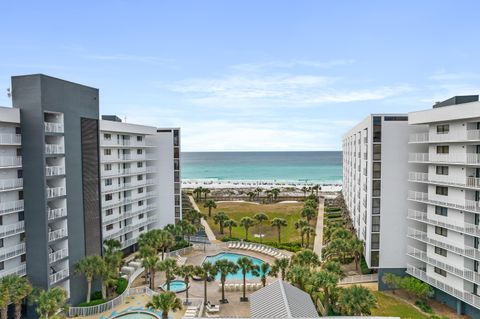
point(206, 271)
point(306, 258)
point(304, 190)
point(309, 212)
point(169, 267)
point(251, 195)
point(246, 222)
point(264, 271)
point(18, 288)
point(246, 265)
point(210, 204)
point(206, 191)
point(108, 277)
point(310, 232)
point(356, 301)
point(260, 218)
point(186, 272)
point(334, 267)
point(325, 282)
point(258, 191)
point(4, 301)
point(275, 192)
point(280, 267)
point(112, 254)
point(188, 230)
point(269, 196)
point(298, 275)
point(230, 223)
point(165, 241)
point(165, 302)
point(150, 264)
point(279, 223)
point(89, 266)
point(416, 287)
point(198, 193)
point(355, 247)
point(193, 216)
point(224, 268)
point(300, 226)
point(50, 302)
point(317, 188)
point(392, 281)
point(220, 219)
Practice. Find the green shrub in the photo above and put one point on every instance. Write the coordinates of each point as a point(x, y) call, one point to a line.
point(96, 295)
point(92, 303)
point(181, 243)
point(423, 306)
point(438, 317)
point(121, 285)
point(364, 268)
point(333, 215)
point(332, 209)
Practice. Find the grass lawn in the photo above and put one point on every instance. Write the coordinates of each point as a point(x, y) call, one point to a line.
point(393, 307)
point(236, 210)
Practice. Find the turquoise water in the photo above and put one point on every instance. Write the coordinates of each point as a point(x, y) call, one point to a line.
point(234, 257)
point(316, 167)
point(136, 315)
point(176, 286)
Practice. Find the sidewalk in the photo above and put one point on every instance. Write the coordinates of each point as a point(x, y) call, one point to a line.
point(318, 243)
point(208, 230)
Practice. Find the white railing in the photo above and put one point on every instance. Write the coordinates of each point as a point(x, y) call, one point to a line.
point(57, 234)
point(12, 206)
point(13, 229)
point(418, 157)
point(57, 255)
point(359, 279)
point(13, 251)
point(473, 135)
point(10, 139)
point(421, 196)
point(265, 249)
point(57, 213)
point(418, 176)
point(56, 277)
point(11, 183)
point(54, 149)
point(418, 137)
point(54, 170)
point(6, 161)
point(470, 205)
point(125, 215)
point(131, 228)
point(53, 127)
point(462, 295)
point(126, 201)
point(472, 182)
point(56, 191)
point(19, 270)
point(462, 227)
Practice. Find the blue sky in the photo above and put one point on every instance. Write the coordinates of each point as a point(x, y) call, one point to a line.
point(249, 75)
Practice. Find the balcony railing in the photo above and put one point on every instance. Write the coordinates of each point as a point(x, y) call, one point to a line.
point(11, 252)
point(19, 271)
point(469, 205)
point(56, 192)
point(445, 222)
point(57, 234)
point(7, 161)
point(59, 275)
point(10, 139)
point(469, 181)
point(11, 183)
point(53, 127)
point(418, 157)
point(54, 149)
point(10, 207)
point(462, 295)
point(12, 229)
point(418, 137)
point(54, 170)
point(131, 228)
point(56, 213)
point(57, 255)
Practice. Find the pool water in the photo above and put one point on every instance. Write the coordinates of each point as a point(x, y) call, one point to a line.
point(234, 257)
point(136, 315)
point(176, 286)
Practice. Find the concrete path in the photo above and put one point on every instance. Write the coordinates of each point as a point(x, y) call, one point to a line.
point(318, 243)
point(208, 230)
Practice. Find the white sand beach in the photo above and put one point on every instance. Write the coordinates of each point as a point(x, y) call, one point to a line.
point(265, 184)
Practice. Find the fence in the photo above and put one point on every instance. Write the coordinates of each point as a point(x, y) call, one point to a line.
point(359, 279)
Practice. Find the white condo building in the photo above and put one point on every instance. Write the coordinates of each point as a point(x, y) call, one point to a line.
point(140, 179)
point(12, 228)
point(444, 196)
point(374, 168)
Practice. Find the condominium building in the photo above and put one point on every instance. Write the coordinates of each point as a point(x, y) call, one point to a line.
point(444, 195)
point(374, 170)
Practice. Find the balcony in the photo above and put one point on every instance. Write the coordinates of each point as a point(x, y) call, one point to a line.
point(462, 295)
point(59, 275)
point(10, 139)
point(19, 271)
point(468, 205)
point(57, 234)
point(54, 170)
point(470, 181)
point(56, 213)
point(12, 229)
point(57, 255)
point(130, 228)
point(12, 183)
point(53, 127)
point(12, 252)
point(56, 192)
point(10, 207)
point(10, 161)
point(418, 138)
point(450, 158)
point(445, 222)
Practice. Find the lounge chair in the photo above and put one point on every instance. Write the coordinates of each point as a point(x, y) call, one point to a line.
point(212, 308)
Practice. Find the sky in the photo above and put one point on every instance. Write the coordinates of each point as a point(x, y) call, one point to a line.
point(249, 75)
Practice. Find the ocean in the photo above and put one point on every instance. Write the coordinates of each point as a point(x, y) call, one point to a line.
point(311, 167)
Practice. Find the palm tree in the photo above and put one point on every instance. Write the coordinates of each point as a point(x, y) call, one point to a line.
point(247, 222)
point(356, 301)
point(309, 212)
point(251, 195)
point(206, 191)
point(220, 219)
point(298, 275)
point(258, 191)
point(89, 266)
point(269, 196)
point(279, 223)
point(113, 254)
point(198, 192)
point(317, 188)
point(264, 270)
point(260, 218)
point(186, 272)
point(210, 204)
point(356, 249)
point(18, 288)
point(165, 302)
point(309, 231)
point(275, 192)
point(206, 271)
point(188, 229)
point(280, 267)
point(306, 258)
point(165, 241)
point(300, 225)
point(230, 223)
point(4, 301)
point(169, 267)
point(304, 190)
point(246, 265)
point(150, 264)
point(326, 282)
point(224, 268)
point(50, 302)
point(193, 216)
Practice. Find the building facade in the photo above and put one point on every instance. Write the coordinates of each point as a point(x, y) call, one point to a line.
point(444, 195)
point(374, 164)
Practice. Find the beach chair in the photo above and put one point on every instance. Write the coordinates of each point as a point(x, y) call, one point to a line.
point(212, 308)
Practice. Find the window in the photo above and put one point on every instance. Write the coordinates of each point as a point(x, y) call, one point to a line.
point(443, 211)
point(18, 130)
point(23, 258)
point(442, 170)
point(2, 265)
point(1, 242)
point(375, 241)
point(109, 212)
point(108, 167)
point(20, 195)
point(21, 216)
point(140, 190)
point(139, 138)
point(140, 203)
point(376, 187)
point(377, 169)
point(439, 271)
point(107, 151)
point(19, 152)
point(109, 227)
point(139, 164)
point(22, 237)
point(139, 177)
point(375, 205)
point(108, 182)
point(139, 151)
point(443, 129)
point(441, 190)
point(441, 231)
point(375, 223)
point(377, 129)
point(377, 152)
point(20, 173)
point(441, 251)
point(442, 149)
point(108, 197)
point(141, 216)
point(374, 258)
point(141, 228)
point(107, 137)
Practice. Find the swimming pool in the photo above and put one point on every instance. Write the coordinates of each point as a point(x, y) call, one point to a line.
point(137, 315)
point(176, 286)
point(234, 257)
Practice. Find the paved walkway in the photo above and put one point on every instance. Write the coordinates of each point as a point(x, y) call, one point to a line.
point(318, 243)
point(208, 230)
